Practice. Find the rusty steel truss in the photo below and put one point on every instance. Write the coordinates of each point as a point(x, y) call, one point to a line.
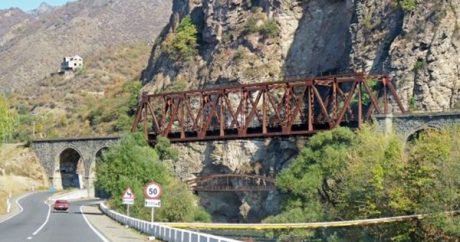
point(299, 107)
point(232, 183)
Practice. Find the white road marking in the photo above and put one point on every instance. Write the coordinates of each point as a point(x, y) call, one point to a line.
point(19, 205)
point(92, 228)
point(29, 238)
point(46, 220)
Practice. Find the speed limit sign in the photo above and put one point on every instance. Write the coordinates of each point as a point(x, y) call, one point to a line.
point(152, 190)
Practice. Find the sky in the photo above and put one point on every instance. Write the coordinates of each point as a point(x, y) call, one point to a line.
point(28, 5)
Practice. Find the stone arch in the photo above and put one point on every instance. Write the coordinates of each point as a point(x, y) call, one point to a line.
point(50, 154)
point(71, 168)
point(98, 192)
point(96, 156)
point(415, 133)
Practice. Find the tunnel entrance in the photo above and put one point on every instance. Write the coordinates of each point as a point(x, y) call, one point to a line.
point(71, 169)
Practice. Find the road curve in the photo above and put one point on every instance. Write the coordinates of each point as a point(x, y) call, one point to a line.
point(39, 223)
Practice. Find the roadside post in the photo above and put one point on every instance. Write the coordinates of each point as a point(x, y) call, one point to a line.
point(128, 199)
point(152, 194)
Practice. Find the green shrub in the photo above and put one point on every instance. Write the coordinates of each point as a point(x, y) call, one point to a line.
point(407, 5)
point(176, 86)
point(251, 26)
point(419, 64)
point(412, 103)
point(258, 23)
point(182, 44)
point(133, 163)
point(7, 120)
point(269, 29)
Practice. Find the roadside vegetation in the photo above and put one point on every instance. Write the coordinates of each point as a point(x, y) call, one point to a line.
point(7, 120)
point(133, 163)
point(342, 175)
point(20, 172)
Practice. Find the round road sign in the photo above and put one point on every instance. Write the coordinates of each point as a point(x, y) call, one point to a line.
point(152, 190)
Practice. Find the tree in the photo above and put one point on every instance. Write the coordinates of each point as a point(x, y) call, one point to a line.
point(133, 163)
point(182, 44)
point(341, 175)
point(433, 183)
point(312, 181)
point(7, 120)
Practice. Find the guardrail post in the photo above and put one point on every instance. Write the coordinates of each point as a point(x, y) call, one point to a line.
point(8, 203)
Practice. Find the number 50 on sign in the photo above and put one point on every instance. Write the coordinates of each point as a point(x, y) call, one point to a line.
point(152, 191)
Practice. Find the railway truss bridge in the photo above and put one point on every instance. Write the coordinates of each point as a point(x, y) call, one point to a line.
point(271, 109)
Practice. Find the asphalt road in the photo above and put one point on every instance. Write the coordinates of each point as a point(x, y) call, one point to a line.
point(38, 222)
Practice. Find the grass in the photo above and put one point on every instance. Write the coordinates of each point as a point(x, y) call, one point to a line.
point(20, 172)
point(3, 197)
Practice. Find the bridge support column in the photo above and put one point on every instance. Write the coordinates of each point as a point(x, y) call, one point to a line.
point(56, 181)
point(384, 123)
point(89, 184)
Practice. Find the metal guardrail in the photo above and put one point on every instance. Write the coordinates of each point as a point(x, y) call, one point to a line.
point(162, 232)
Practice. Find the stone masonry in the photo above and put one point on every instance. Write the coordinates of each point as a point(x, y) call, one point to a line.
point(49, 151)
point(408, 124)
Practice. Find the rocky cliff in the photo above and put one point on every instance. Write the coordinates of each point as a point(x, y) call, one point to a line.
point(415, 41)
point(244, 41)
point(256, 157)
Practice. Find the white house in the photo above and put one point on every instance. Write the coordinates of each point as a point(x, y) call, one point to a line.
point(72, 63)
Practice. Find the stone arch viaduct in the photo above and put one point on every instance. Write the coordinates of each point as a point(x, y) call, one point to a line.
point(71, 162)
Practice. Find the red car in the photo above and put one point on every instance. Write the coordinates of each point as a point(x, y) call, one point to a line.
point(61, 205)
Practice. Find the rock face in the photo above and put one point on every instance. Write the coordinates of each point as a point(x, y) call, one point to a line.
point(418, 46)
point(257, 157)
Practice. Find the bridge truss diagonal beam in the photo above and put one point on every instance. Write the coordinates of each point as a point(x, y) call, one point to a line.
point(299, 107)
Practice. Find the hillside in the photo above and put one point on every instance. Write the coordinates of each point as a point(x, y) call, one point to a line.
point(20, 171)
point(32, 44)
point(95, 101)
point(10, 21)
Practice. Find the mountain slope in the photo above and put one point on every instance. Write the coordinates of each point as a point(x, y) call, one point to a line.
point(11, 21)
point(35, 50)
